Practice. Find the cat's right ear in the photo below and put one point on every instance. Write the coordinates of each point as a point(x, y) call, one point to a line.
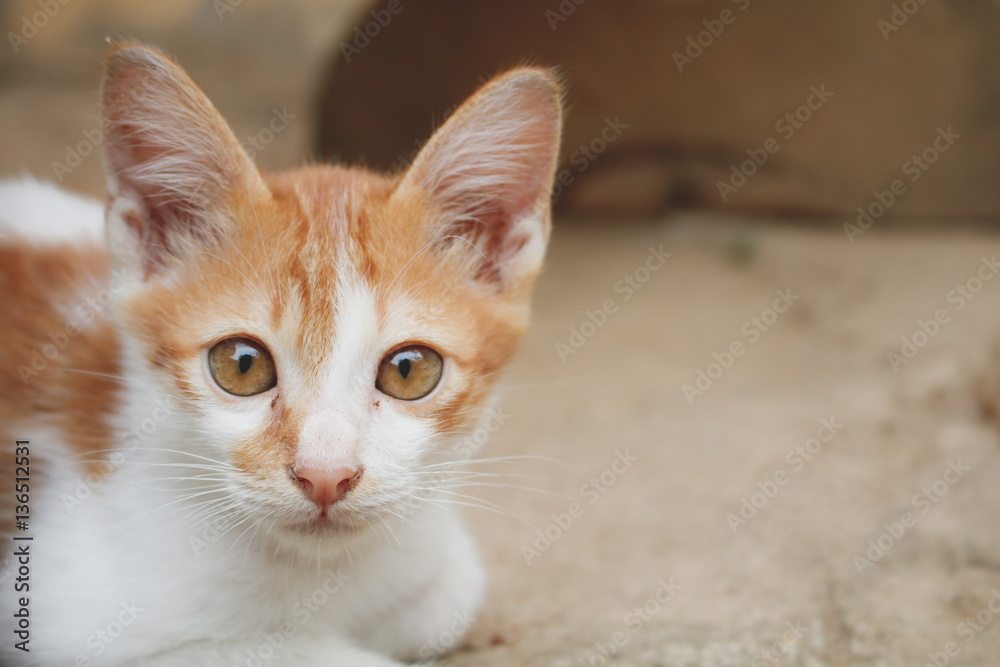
point(172, 161)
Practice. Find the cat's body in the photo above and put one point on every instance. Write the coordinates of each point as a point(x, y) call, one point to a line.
point(177, 517)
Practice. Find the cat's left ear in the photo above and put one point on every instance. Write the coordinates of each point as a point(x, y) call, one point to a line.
point(172, 161)
point(488, 174)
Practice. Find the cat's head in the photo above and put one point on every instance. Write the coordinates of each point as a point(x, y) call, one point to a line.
point(326, 333)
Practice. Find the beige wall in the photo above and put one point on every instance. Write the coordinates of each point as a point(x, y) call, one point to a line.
point(251, 56)
point(690, 121)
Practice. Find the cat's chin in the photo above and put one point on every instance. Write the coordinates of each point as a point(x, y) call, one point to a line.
point(320, 529)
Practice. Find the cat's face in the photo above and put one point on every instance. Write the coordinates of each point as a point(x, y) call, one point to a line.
point(327, 333)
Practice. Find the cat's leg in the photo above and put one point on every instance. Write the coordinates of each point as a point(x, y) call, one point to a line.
point(293, 652)
point(440, 611)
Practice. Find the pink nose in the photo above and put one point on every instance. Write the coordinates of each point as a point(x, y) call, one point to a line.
point(325, 487)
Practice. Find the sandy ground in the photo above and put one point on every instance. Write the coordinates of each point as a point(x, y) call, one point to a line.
point(889, 442)
point(866, 536)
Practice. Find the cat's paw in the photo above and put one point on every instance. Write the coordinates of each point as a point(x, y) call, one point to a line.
point(348, 656)
point(443, 607)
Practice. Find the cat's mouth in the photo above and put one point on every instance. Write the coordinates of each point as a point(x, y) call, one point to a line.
point(328, 522)
point(327, 534)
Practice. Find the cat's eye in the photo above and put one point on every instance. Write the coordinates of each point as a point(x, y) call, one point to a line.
point(409, 373)
point(242, 367)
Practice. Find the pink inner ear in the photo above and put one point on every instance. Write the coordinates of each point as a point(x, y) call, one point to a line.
point(158, 219)
point(489, 225)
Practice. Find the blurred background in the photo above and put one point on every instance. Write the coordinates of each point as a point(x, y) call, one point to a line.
point(762, 380)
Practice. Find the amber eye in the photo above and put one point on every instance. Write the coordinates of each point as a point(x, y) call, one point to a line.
point(242, 366)
point(409, 373)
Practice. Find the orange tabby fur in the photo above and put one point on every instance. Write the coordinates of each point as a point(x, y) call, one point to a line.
point(74, 403)
point(295, 239)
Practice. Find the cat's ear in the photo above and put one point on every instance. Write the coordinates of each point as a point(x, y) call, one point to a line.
point(488, 173)
point(171, 159)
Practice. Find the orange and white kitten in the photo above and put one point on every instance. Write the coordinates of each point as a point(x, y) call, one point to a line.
point(238, 405)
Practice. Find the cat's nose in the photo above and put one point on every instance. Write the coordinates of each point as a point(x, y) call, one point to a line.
point(325, 487)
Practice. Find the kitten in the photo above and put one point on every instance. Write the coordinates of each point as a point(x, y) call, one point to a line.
point(236, 409)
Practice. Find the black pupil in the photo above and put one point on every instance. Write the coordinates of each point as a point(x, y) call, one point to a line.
point(404, 367)
point(245, 361)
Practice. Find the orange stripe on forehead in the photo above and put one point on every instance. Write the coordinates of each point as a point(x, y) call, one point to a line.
point(322, 219)
point(360, 230)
